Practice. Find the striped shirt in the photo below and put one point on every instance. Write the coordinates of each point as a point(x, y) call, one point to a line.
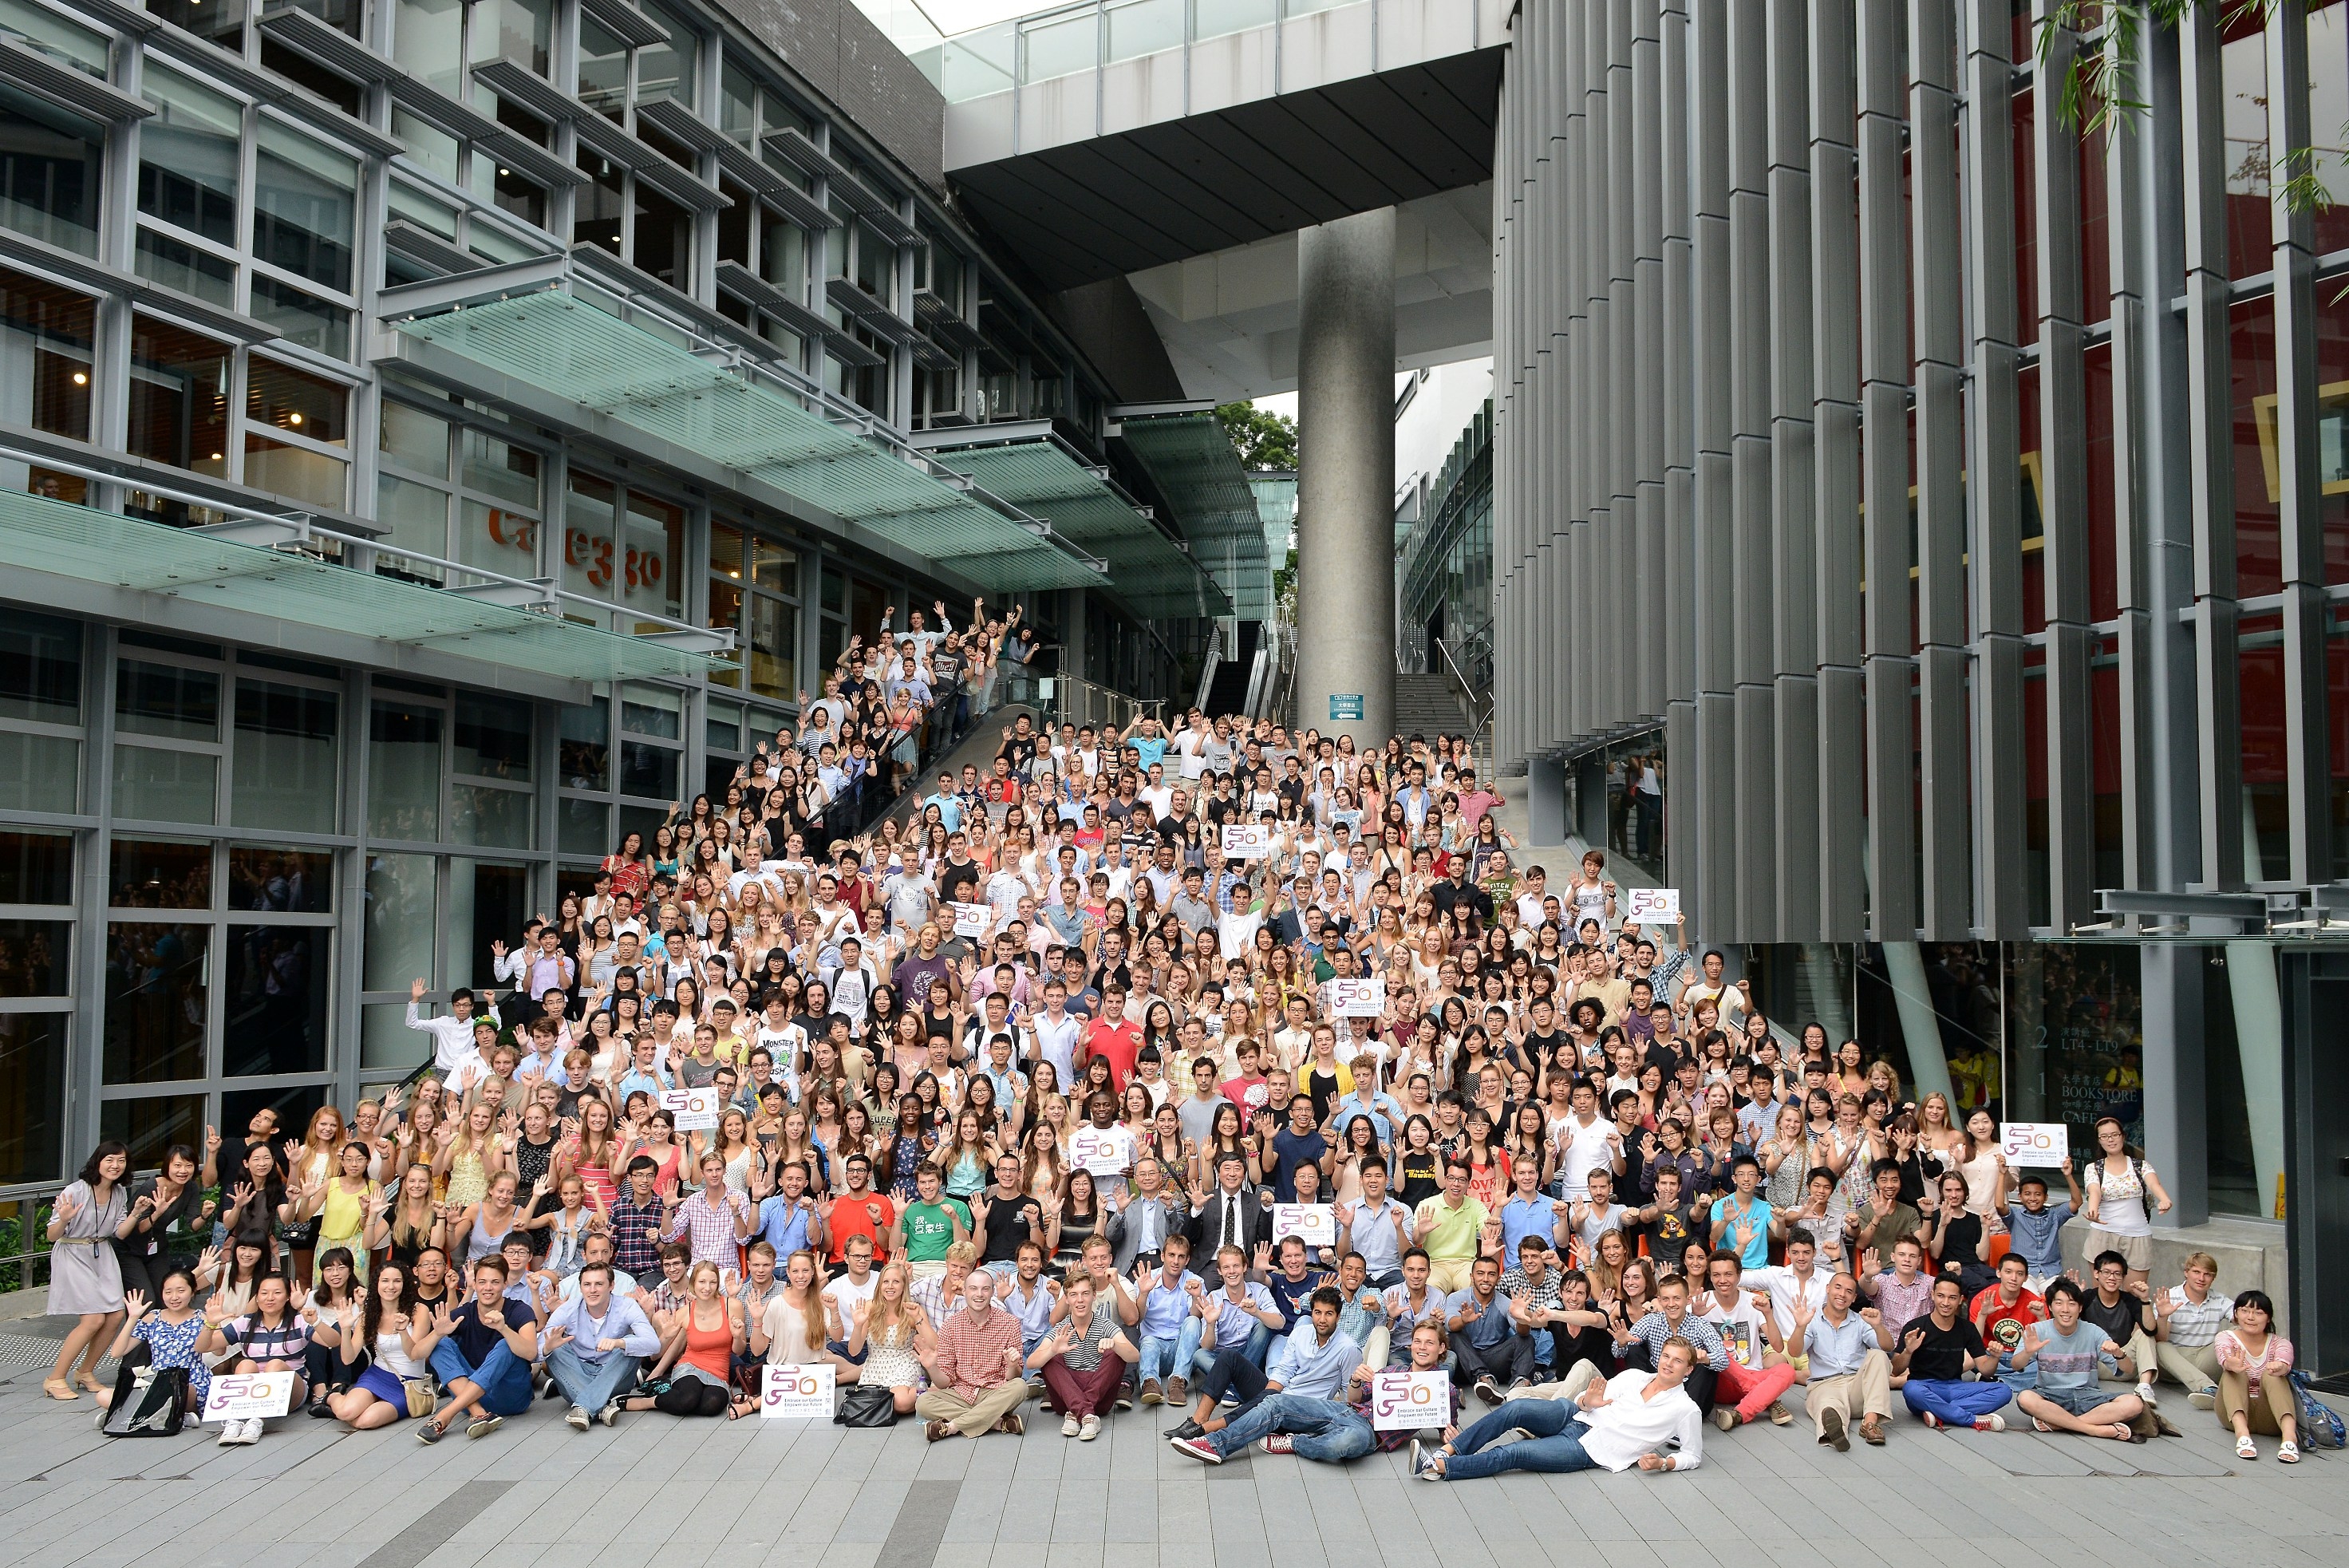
point(712, 1227)
point(2193, 1325)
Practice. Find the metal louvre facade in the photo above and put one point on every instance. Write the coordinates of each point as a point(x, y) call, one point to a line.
point(1735, 241)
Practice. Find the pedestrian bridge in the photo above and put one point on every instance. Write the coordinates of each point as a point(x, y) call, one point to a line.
point(1107, 137)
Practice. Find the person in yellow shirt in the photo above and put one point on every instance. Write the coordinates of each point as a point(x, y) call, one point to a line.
point(1456, 1230)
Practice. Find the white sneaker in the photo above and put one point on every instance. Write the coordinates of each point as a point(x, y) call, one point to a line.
point(1069, 1425)
point(249, 1431)
point(1089, 1430)
point(228, 1429)
point(2145, 1391)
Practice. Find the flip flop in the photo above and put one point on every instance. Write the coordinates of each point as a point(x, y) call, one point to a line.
point(2038, 1426)
point(2123, 1432)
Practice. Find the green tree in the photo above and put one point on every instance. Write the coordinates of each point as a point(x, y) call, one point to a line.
point(1265, 442)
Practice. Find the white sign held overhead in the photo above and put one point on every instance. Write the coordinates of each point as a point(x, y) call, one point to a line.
point(1653, 905)
point(696, 1110)
point(1358, 998)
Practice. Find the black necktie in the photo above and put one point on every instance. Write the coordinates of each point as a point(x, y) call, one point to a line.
point(1232, 1219)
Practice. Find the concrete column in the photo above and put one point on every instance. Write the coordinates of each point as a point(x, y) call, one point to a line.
point(1345, 476)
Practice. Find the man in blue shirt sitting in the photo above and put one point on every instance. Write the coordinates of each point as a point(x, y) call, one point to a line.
point(1312, 1369)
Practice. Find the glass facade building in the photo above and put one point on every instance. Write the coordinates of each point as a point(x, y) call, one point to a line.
point(1958, 760)
point(333, 651)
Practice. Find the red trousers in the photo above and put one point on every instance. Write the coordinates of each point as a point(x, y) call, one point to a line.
point(1082, 1394)
point(1753, 1390)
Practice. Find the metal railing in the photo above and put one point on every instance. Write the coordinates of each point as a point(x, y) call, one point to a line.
point(1062, 40)
point(1467, 667)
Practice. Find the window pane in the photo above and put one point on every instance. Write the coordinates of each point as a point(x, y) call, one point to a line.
point(286, 771)
point(500, 469)
point(296, 473)
point(415, 440)
point(151, 785)
point(400, 921)
point(285, 880)
point(178, 398)
point(429, 39)
point(40, 772)
point(45, 347)
point(219, 21)
point(35, 958)
point(493, 737)
point(302, 318)
point(774, 648)
point(404, 771)
point(774, 567)
point(50, 179)
point(586, 747)
point(603, 68)
point(188, 155)
point(166, 699)
point(494, 819)
point(722, 725)
point(588, 504)
point(488, 903)
point(498, 540)
point(302, 198)
point(175, 263)
point(40, 669)
point(293, 1105)
point(55, 38)
point(649, 771)
point(415, 517)
point(651, 711)
point(653, 552)
point(157, 874)
point(35, 868)
point(152, 1126)
point(155, 1002)
point(297, 402)
point(668, 71)
point(32, 1123)
point(585, 828)
point(276, 1022)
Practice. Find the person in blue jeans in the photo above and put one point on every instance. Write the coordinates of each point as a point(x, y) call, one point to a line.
point(595, 1344)
point(1238, 1320)
point(1315, 1363)
point(1170, 1328)
point(1935, 1352)
point(1631, 1419)
point(483, 1352)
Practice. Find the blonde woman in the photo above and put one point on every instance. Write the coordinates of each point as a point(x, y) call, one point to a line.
point(309, 1164)
point(474, 1151)
point(1937, 1135)
point(699, 1365)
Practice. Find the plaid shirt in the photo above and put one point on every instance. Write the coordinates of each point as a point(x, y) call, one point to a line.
point(976, 1354)
point(1651, 1330)
point(635, 1227)
point(715, 1228)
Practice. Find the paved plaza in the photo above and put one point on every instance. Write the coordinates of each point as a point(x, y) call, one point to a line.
point(750, 1492)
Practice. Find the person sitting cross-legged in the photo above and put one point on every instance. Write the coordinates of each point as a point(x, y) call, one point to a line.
point(1928, 1367)
point(2063, 1351)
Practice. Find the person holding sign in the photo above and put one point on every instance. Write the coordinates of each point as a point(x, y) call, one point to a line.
point(1642, 1419)
point(272, 1337)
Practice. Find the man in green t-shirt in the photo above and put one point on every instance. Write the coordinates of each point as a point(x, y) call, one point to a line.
point(927, 1228)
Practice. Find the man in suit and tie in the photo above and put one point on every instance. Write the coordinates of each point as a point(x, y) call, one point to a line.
point(1232, 1215)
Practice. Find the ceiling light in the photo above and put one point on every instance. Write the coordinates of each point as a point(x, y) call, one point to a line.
point(81, 377)
point(294, 418)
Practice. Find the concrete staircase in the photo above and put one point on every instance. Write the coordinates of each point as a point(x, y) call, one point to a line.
point(1424, 705)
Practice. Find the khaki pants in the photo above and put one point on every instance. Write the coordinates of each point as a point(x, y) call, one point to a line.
point(1450, 1275)
point(972, 1417)
point(2196, 1366)
point(2274, 1399)
point(928, 1271)
point(1578, 1376)
point(1866, 1392)
point(2140, 1351)
point(1377, 1345)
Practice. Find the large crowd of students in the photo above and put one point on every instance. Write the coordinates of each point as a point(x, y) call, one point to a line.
point(1215, 1068)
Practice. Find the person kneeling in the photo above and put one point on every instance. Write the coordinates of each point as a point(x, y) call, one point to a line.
point(1628, 1421)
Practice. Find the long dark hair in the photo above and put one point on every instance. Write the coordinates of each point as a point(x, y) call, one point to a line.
point(371, 1310)
point(90, 1176)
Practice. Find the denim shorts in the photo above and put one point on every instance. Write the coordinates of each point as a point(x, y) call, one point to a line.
point(2078, 1401)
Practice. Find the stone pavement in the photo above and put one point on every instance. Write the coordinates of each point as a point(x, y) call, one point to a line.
point(748, 1493)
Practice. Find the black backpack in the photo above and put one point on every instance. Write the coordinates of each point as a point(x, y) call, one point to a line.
point(148, 1402)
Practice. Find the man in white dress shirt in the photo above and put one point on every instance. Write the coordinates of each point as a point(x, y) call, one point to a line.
point(1642, 1419)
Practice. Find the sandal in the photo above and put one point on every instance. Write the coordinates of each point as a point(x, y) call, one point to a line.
point(58, 1388)
point(2288, 1454)
point(2038, 1426)
point(938, 1431)
point(2123, 1432)
point(2246, 1450)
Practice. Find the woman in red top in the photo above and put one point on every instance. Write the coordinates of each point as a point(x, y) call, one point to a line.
point(701, 1359)
point(630, 868)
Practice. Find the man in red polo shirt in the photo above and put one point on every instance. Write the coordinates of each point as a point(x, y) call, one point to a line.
point(1112, 1037)
point(858, 1210)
